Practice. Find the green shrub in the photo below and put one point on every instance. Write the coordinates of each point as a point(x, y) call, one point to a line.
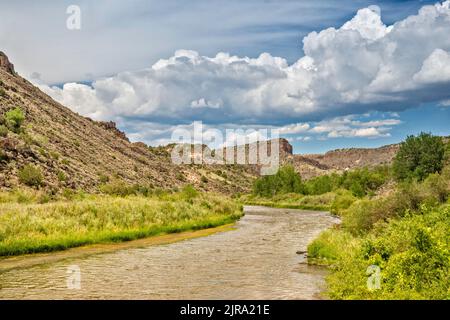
point(343, 200)
point(103, 178)
point(31, 176)
point(14, 119)
point(189, 192)
point(418, 157)
point(436, 187)
point(412, 253)
point(3, 131)
point(62, 176)
point(120, 188)
point(3, 156)
point(328, 247)
point(2, 92)
point(204, 179)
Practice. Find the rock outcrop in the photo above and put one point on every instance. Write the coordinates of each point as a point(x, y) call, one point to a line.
point(5, 64)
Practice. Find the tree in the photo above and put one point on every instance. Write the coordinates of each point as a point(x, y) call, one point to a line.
point(418, 157)
point(286, 180)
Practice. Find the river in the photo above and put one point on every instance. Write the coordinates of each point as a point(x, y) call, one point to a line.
point(259, 259)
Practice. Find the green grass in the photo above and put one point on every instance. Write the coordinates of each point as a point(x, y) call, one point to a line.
point(27, 226)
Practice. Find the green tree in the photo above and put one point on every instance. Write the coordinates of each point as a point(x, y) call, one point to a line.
point(286, 180)
point(418, 157)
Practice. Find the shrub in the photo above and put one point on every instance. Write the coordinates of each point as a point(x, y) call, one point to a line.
point(3, 155)
point(436, 187)
point(204, 179)
point(2, 92)
point(342, 201)
point(14, 119)
point(118, 188)
point(3, 131)
point(328, 246)
point(103, 178)
point(418, 157)
point(189, 192)
point(62, 176)
point(31, 176)
point(412, 253)
point(180, 176)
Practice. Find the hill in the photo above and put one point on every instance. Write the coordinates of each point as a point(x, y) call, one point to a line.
point(76, 152)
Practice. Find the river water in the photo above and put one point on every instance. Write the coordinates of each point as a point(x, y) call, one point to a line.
point(257, 260)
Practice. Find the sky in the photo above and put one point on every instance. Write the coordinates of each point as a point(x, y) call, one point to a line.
point(326, 74)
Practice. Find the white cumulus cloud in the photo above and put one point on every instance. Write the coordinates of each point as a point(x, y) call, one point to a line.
point(363, 66)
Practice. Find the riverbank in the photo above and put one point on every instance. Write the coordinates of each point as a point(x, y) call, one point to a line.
point(292, 201)
point(33, 227)
point(30, 260)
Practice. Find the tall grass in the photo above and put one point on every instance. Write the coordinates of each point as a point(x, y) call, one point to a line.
point(27, 226)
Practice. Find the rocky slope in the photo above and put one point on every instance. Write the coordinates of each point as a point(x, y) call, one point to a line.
point(311, 165)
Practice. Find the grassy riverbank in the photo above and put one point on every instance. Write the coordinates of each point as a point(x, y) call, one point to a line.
point(292, 201)
point(31, 222)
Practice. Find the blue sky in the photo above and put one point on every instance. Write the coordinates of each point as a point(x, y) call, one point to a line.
point(153, 66)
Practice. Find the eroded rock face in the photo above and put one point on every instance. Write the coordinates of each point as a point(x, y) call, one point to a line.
point(285, 146)
point(111, 126)
point(5, 64)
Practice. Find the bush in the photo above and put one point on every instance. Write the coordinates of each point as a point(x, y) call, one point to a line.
point(418, 157)
point(328, 246)
point(3, 131)
point(62, 176)
point(412, 254)
point(103, 178)
point(436, 187)
point(31, 176)
point(14, 119)
point(120, 188)
point(3, 156)
point(2, 92)
point(342, 201)
point(188, 192)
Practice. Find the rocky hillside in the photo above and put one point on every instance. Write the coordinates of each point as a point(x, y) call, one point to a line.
point(311, 165)
point(71, 151)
